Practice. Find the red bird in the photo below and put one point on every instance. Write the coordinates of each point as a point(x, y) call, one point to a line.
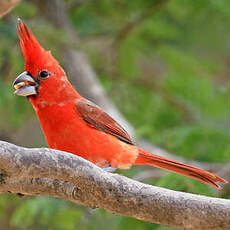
point(73, 124)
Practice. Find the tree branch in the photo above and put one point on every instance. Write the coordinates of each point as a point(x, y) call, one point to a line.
point(7, 5)
point(57, 172)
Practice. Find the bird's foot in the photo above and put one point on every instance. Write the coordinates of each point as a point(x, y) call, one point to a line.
point(109, 169)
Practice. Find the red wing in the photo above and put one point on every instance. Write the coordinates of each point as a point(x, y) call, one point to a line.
point(100, 120)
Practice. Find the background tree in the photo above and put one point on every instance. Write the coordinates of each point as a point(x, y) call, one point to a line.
point(165, 66)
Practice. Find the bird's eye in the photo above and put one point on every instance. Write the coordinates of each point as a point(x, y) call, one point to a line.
point(44, 74)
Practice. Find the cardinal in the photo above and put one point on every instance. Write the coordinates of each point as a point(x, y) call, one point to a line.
point(74, 124)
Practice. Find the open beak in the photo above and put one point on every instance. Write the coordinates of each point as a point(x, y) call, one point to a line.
point(25, 85)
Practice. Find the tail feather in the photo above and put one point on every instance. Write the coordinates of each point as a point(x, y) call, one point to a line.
point(146, 158)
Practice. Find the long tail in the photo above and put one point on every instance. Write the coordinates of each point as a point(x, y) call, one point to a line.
point(146, 158)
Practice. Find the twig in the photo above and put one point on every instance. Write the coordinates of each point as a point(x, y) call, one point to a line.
point(7, 5)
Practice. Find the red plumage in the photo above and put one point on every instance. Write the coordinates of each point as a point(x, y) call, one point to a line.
point(73, 124)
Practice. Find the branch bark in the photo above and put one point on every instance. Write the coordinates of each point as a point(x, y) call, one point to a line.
point(7, 5)
point(54, 173)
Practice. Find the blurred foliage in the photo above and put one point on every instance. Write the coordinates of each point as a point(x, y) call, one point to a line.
point(167, 72)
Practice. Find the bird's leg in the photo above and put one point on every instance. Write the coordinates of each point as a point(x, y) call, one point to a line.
point(105, 165)
point(109, 169)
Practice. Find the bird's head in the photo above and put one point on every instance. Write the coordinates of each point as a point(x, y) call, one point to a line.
point(42, 76)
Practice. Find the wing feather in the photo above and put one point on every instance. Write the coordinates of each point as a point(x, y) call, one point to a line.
point(97, 118)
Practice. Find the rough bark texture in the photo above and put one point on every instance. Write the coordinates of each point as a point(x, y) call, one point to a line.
point(54, 173)
point(6, 6)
